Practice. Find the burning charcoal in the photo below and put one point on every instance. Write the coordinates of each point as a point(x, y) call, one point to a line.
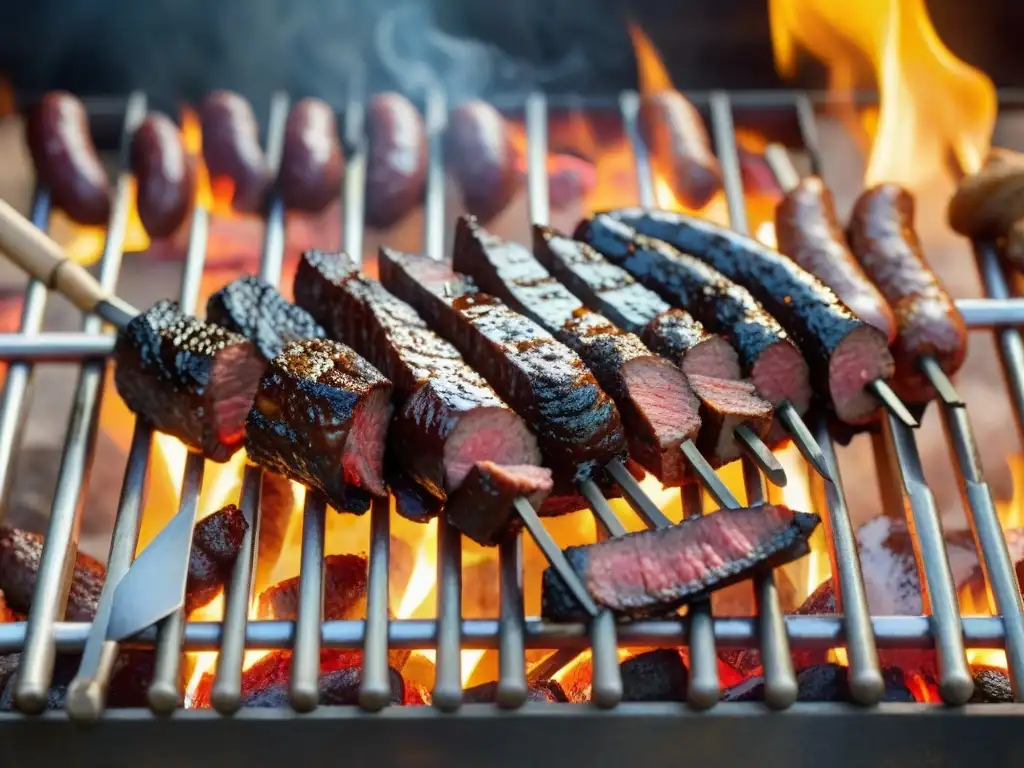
point(654, 572)
point(276, 503)
point(20, 554)
point(991, 686)
point(493, 488)
point(545, 690)
point(654, 676)
point(216, 542)
point(339, 687)
point(189, 378)
point(320, 417)
point(253, 308)
point(7, 614)
point(129, 681)
point(824, 682)
point(344, 592)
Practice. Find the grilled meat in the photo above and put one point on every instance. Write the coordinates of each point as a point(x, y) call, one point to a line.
point(609, 289)
point(21, 553)
point(396, 172)
point(885, 243)
point(277, 500)
point(989, 204)
point(216, 542)
point(231, 148)
point(576, 424)
point(253, 308)
point(809, 232)
point(654, 572)
point(164, 176)
point(479, 151)
point(7, 614)
point(726, 404)
point(344, 592)
point(844, 353)
point(654, 398)
point(320, 418)
point(482, 506)
point(188, 378)
point(312, 164)
point(412, 500)
point(767, 355)
point(449, 417)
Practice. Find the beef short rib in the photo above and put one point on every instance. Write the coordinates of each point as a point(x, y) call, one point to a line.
point(216, 542)
point(726, 404)
point(653, 572)
point(344, 592)
point(253, 308)
point(189, 378)
point(320, 417)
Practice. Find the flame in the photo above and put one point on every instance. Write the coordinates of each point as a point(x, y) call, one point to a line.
point(931, 104)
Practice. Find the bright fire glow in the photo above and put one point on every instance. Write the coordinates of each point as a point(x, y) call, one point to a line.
point(931, 103)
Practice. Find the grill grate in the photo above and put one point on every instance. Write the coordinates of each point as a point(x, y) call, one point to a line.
point(775, 634)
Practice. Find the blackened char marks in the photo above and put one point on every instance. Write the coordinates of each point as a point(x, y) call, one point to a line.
point(577, 425)
point(482, 506)
point(449, 416)
point(654, 572)
point(216, 542)
point(766, 353)
point(191, 379)
point(843, 352)
point(653, 397)
point(320, 417)
point(253, 308)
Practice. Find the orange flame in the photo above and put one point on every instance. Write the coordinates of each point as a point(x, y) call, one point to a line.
point(931, 103)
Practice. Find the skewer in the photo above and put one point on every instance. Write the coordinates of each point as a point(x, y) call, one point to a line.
point(762, 456)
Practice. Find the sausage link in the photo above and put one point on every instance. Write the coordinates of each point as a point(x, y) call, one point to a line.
point(809, 232)
point(989, 204)
point(885, 243)
point(479, 151)
point(312, 164)
point(231, 148)
point(65, 159)
point(680, 148)
point(164, 176)
point(397, 163)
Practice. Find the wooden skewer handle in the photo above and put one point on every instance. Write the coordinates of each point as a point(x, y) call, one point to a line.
point(36, 253)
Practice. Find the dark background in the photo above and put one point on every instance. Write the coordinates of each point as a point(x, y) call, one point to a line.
point(180, 49)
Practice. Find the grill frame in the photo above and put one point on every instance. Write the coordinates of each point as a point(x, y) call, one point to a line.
point(510, 633)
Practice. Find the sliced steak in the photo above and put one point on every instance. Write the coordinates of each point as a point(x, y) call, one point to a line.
point(767, 355)
point(216, 542)
point(609, 289)
point(482, 506)
point(654, 572)
point(191, 379)
point(448, 417)
point(253, 308)
point(653, 396)
point(577, 425)
point(843, 352)
point(725, 404)
point(320, 418)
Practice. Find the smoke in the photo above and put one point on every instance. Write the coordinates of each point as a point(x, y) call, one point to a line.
point(181, 49)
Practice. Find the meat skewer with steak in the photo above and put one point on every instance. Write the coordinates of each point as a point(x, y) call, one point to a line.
point(728, 406)
point(658, 407)
point(848, 358)
point(932, 341)
point(451, 433)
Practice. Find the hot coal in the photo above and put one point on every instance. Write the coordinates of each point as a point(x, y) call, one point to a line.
point(7, 614)
point(991, 686)
point(189, 378)
point(824, 682)
point(277, 500)
point(659, 675)
point(492, 488)
point(654, 572)
point(216, 542)
point(254, 309)
point(320, 417)
point(20, 556)
point(129, 681)
point(546, 690)
point(344, 592)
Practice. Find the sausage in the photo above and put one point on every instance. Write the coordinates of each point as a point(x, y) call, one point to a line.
point(164, 176)
point(479, 151)
point(65, 159)
point(397, 163)
point(883, 239)
point(680, 148)
point(231, 148)
point(989, 204)
point(809, 232)
point(312, 164)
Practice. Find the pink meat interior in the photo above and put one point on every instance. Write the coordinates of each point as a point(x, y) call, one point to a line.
point(781, 374)
point(662, 393)
point(738, 404)
point(363, 456)
point(234, 378)
point(487, 434)
point(713, 357)
point(860, 358)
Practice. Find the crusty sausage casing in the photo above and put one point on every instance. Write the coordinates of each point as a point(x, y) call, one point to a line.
point(478, 149)
point(164, 176)
point(231, 148)
point(397, 163)
point(312, 164)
